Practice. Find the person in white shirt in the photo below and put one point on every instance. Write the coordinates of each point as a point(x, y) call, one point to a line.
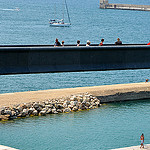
point(88, 43)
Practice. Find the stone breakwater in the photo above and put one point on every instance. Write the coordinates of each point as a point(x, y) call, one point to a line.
point(51, 106)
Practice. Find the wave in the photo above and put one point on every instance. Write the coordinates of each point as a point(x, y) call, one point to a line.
point(16, 9)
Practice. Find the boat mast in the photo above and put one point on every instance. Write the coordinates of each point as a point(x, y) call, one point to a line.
point(63, 12)
point(55, 12)
point(67, 12)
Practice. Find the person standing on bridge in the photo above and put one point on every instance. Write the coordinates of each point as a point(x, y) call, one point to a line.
point(78, 42)
point(62, 43)
point(57, 43)
point(101, 43)
point(118, 42)
point(88, 43)
point(142, 141)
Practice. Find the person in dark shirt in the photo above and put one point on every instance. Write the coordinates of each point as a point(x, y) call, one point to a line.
point(118, 42)
point(57, 43)
point(78, 42)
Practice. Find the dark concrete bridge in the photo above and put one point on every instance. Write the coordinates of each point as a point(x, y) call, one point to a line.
point(22, 59)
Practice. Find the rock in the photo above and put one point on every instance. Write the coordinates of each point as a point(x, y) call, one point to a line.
point(31, 110)
point(42, 113)
point(19, 108)
point(67, 102)
point(94, 104)
point(60, 106)
point(25, 111)
point(49, 111)
point(87, 104)
point(39, 109)
point(17, 112)
point(86, 107)
point(84, 102)
point(75, 108)
point(36, 105)
point(73, 103)
point(55, 106)
point(47, 106)
point(22, 114)
point(73, 98)
point(4, 117)
point(19, 115)
point(59, 111)
point(41, 104)
point(35, 113)
point(13, 117)
point(44, 109)
point(91, 107)
point(65, 105)
point(23, 106)
point(29, 105)
point(2, 112)
point(46, 102)
point(67, 110)
point(70, 106)
point(7, 112)
point(13, 113)
point(53, 110)
point(97, 103)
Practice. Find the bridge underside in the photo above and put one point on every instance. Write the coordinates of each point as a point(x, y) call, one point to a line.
point(46, 58)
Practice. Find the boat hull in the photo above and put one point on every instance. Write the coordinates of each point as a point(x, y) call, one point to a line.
point(60, 25)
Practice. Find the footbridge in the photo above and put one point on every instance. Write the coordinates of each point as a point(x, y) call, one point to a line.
point(21, 59)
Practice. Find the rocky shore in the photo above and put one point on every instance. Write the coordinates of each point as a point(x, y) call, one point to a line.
point(77, 102)
point(53, 101)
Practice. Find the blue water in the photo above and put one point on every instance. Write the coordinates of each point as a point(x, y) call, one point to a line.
point(34, 82)
point(111, 126)
point(30, 24)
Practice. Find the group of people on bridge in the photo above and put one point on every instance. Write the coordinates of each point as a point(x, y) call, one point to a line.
point(88, 43)
point(118, 42)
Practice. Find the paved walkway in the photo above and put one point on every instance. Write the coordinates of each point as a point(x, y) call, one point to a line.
point(146, 147)
point(6, 148)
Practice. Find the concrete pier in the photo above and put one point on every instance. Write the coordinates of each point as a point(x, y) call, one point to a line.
point(106, 93)
point(104, 4)
point(147, 147)
point(6, 148)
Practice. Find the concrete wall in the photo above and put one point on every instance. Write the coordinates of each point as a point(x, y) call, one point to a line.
point(40, 59)
point(128, 7)
point(105, 5)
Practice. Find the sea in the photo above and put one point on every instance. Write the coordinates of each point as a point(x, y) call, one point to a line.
point(113, 125)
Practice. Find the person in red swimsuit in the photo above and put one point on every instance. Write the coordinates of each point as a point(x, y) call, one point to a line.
point(142, 140)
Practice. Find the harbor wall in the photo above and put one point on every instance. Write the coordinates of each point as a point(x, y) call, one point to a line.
point(129, 7)
point(41, 103)
point(104, 4)
point(42, 59)
point(105, 93)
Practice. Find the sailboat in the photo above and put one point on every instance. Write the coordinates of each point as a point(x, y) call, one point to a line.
point(60, 23)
